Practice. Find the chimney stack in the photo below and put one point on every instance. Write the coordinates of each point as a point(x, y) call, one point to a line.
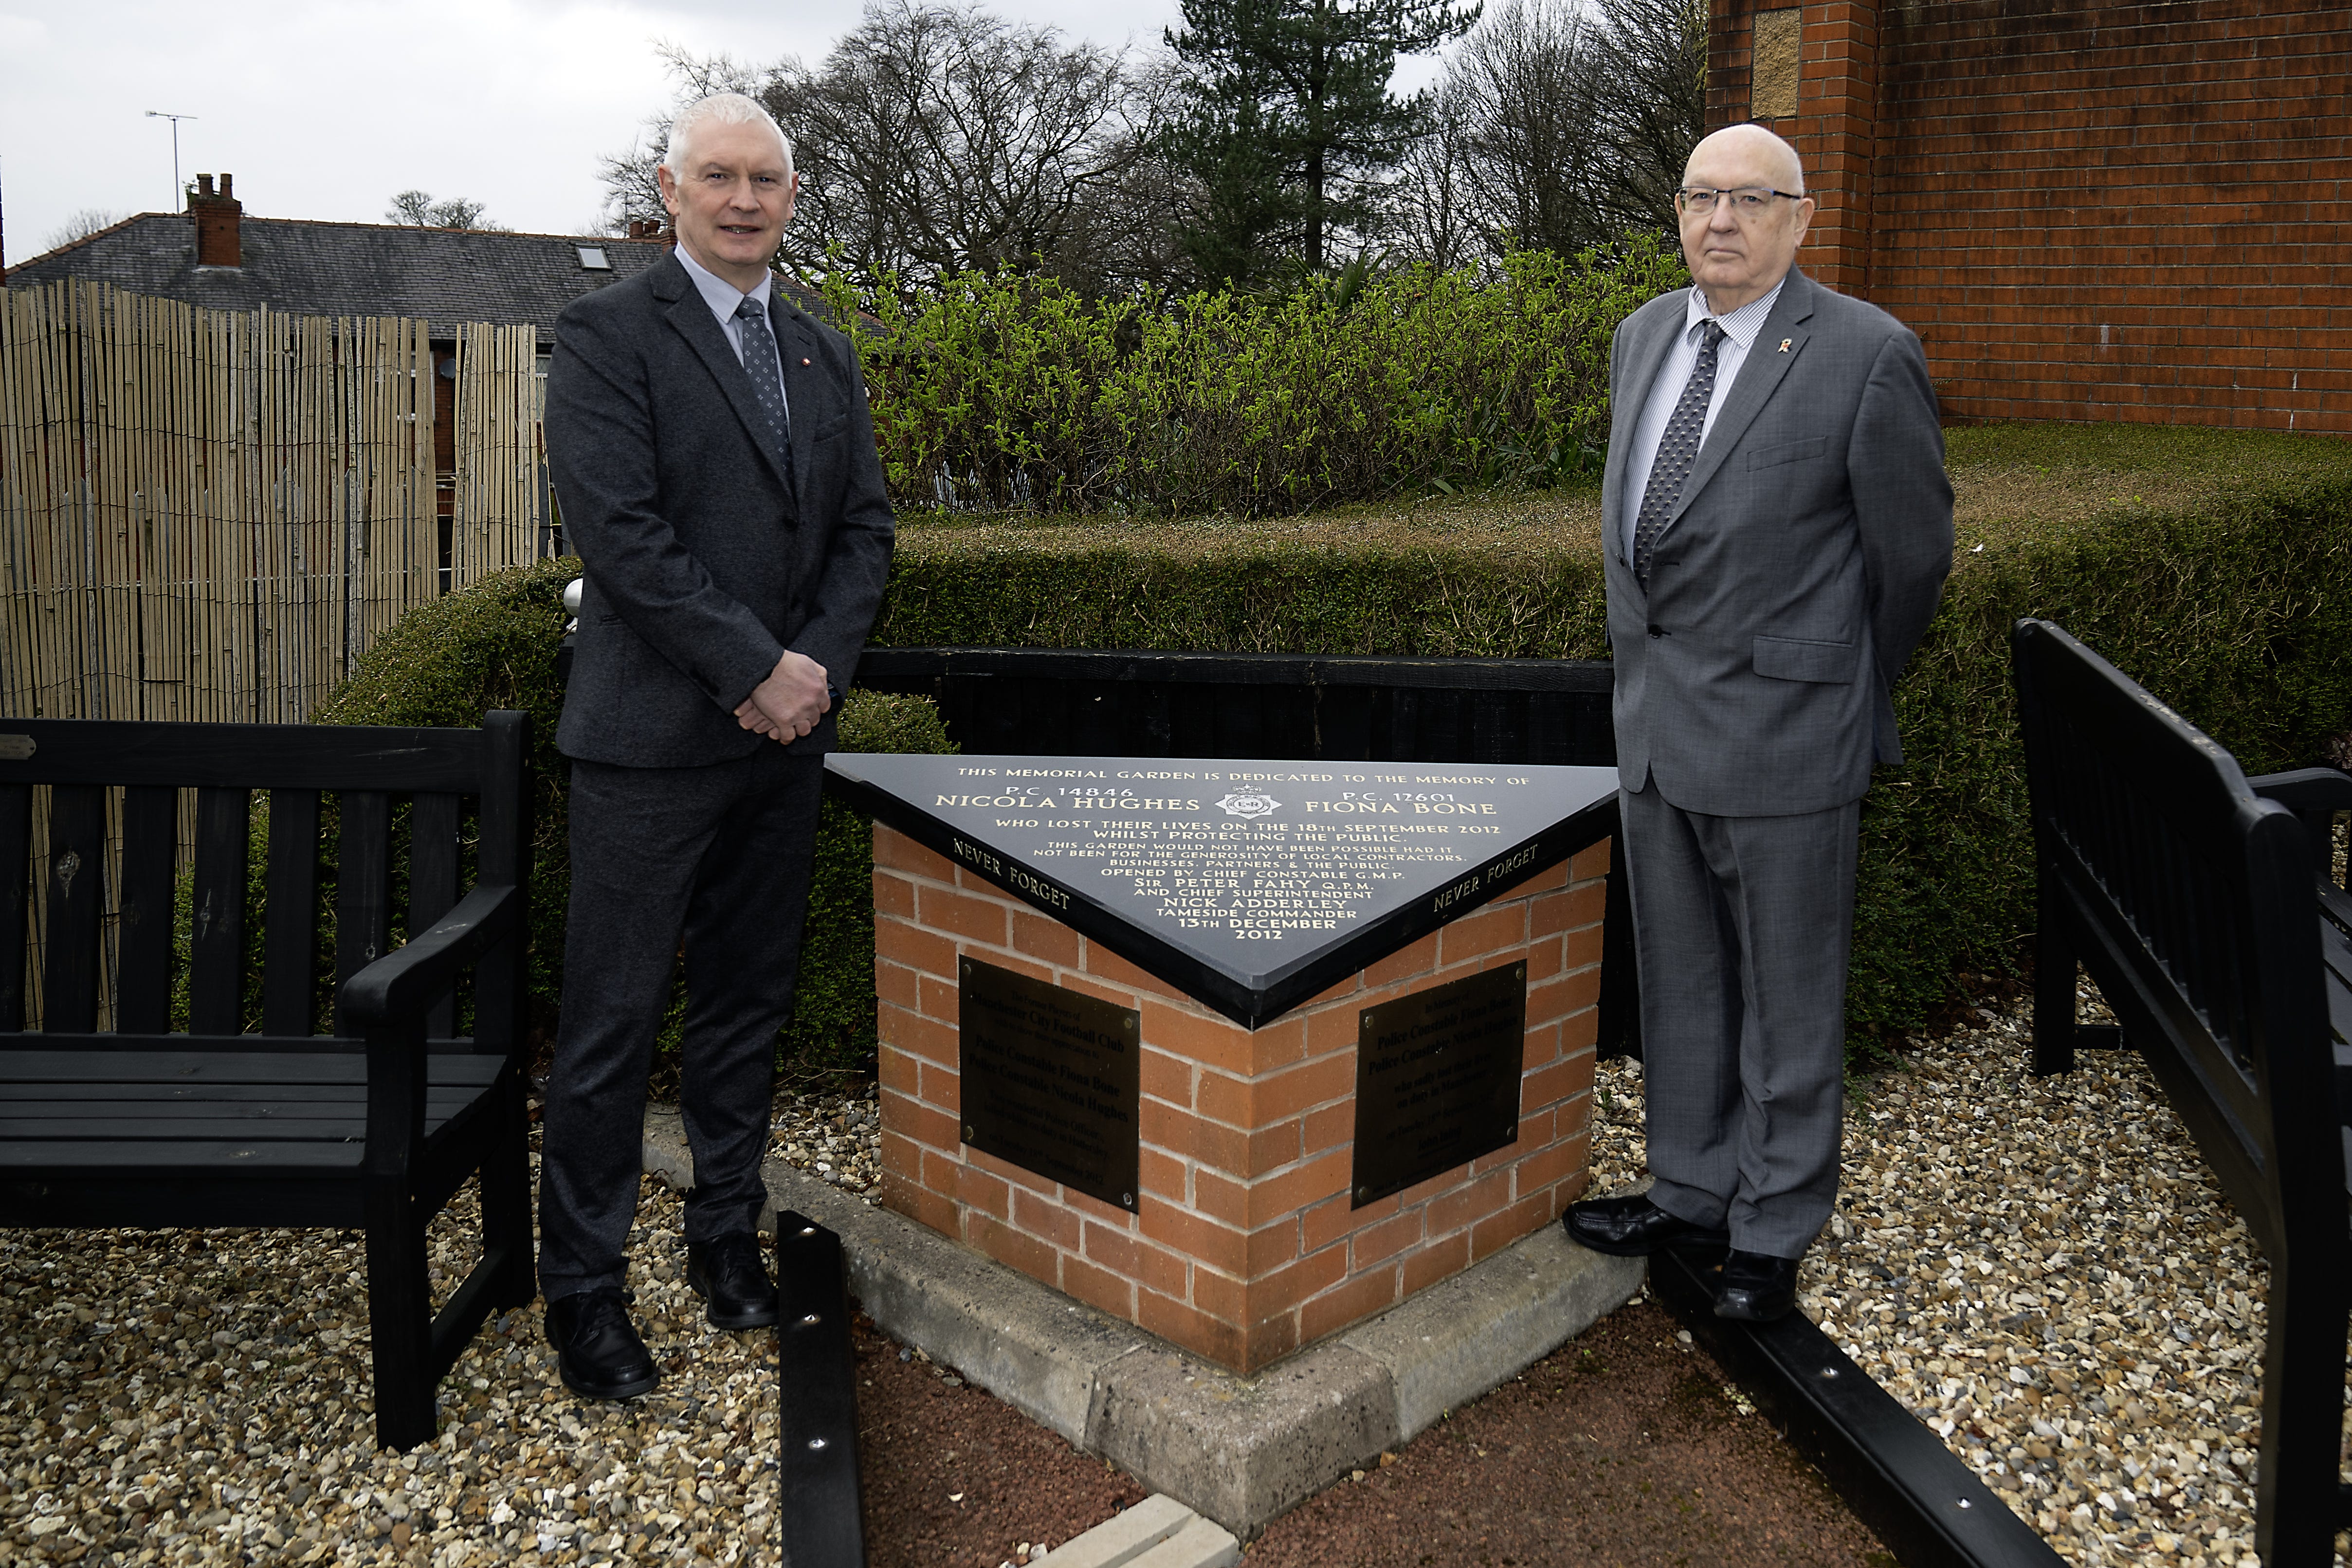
point(650, 228)
point(217, 219)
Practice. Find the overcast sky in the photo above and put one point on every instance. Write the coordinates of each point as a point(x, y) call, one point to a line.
point(323, 109)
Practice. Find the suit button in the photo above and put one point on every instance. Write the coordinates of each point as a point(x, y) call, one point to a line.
point(1656, 630)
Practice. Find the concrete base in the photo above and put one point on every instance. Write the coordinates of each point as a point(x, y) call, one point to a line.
point(1239, 1451)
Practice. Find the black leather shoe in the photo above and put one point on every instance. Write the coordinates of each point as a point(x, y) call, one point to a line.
point(1634, 1227)
point(597, 1351)
point(1756, 1288)
point(732, 1280)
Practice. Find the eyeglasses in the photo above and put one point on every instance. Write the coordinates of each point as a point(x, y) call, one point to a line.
point(1746, 201)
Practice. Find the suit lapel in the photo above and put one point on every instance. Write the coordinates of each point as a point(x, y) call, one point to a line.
point(1645, 355)
point(1760, 377)
point(807, 391)
point(690, 315)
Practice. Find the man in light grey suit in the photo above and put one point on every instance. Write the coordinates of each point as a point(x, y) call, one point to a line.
point(1778, 528)
point(711, 450)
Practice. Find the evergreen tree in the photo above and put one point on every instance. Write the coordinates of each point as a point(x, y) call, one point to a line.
point(1290, 123)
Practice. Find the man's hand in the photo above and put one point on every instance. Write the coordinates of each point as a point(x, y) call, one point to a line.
point(788, 704)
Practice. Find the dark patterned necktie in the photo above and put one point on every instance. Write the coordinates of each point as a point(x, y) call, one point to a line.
point(1677, 451)
point(767, 388)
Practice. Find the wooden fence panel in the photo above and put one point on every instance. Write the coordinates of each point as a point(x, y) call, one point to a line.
point(213, 515)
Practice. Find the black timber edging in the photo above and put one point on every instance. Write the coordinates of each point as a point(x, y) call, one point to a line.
point(824, 1517)
point(1896, 1474)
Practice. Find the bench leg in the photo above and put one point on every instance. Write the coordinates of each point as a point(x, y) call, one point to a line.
point(2054, 966)
point(399, 1320)
point(2297, 1495)
point(506, 1201)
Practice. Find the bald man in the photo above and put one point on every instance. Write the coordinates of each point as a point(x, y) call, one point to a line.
point(1778, 529)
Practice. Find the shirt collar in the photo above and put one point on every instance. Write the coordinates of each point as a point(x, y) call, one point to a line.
point(1742, 325)
point(722, 297)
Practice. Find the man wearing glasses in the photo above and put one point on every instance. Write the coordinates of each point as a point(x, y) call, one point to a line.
point(1778, 528)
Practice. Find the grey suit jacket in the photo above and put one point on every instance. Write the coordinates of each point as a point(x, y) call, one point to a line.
point(702, 564)
point(1800, 568)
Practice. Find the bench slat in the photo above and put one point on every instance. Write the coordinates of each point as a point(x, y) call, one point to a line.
point(142, 943)
point(15, 862)
point(224, 1067)
point(259, 1157)
point(362, 885)
point(130, 1131)
point(433, 882)
point(217, 937)
point(70, 1102)
point(290, 956)
point(75, 877)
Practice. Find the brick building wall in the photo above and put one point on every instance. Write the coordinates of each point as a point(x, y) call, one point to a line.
point(2131, 212)
point(1244, 1244)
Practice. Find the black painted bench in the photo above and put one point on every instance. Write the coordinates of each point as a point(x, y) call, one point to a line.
point(373, 1124)
point(2205, 906)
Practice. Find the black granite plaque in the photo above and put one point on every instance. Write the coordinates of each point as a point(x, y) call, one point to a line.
point(1251, 886)
point(1437, 1079)
point(1050, 1079)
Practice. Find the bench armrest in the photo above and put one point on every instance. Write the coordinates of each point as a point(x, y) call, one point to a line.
point(409, 979)
point(2306, 790)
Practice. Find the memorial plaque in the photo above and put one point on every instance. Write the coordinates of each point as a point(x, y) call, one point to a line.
point(1050, 1079)
point(1437, 1079)
point(1252, 886)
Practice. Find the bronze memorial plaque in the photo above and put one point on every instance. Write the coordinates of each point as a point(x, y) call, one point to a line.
point(1050, 1079)
point(1437, 1079)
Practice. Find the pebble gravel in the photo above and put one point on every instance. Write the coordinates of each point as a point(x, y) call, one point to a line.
point(2046, 1274)
point(183, 1396)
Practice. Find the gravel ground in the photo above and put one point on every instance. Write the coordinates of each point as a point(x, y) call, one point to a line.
point(2044, 1271)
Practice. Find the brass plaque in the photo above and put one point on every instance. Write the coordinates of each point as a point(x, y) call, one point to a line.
point(1050, 1079)
point(1437, 1079)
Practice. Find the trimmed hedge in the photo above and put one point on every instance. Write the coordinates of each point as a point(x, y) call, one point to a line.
point(494, 645)
point(2214, 567)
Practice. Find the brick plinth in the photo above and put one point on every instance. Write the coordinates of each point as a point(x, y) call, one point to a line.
point(1243, 1246)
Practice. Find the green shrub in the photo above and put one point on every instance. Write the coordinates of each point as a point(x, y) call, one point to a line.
point(1000, 392)
point(493, 646)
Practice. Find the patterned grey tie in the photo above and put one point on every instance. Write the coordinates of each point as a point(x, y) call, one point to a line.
point(1677, 451)
point(767, 388)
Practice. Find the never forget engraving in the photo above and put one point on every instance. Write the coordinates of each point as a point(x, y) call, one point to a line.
point(1050, 1079)
point(1437, 1079)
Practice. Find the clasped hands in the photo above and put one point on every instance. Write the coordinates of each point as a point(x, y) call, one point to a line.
point(789, 703)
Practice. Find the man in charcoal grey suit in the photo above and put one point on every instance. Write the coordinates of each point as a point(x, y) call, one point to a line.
point(1777, 527)
point(711, 450)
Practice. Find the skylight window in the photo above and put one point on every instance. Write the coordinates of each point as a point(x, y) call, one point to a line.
point(592, 259)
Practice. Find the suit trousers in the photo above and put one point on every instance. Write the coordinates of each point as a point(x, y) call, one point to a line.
point(718, 856)
point(1743, 926)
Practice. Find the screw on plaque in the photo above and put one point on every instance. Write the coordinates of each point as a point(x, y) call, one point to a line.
point(1520, 970)
point(1127, 1199)
point(967, 1134)
point(1364, 1195)
point(967, 969)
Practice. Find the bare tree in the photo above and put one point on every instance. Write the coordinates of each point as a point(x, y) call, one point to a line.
point(936, 138)
point(1558, 130)
point(1654, 100)
point(631, 192)
point(80, 227)
point(418, 210)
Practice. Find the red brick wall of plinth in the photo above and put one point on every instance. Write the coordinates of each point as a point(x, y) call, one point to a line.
point(2112, 212)
point(1243, 1246)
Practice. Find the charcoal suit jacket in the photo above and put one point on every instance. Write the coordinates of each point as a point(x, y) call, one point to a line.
point(703, 564)
point(1799, 569)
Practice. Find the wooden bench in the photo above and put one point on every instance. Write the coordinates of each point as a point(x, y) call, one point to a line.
point(2204, 905)
point(374, 1125)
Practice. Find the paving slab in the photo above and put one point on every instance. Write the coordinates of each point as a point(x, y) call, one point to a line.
point(1238, 1451)
point(1122, 1538)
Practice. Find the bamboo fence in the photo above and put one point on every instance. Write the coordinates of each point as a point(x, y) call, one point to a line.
point(212, 514)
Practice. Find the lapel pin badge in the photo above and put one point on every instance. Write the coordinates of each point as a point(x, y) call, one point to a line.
point(1785, 342)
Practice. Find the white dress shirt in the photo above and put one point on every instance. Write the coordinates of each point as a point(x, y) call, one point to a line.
point(1739, 330)
point(724, 299)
